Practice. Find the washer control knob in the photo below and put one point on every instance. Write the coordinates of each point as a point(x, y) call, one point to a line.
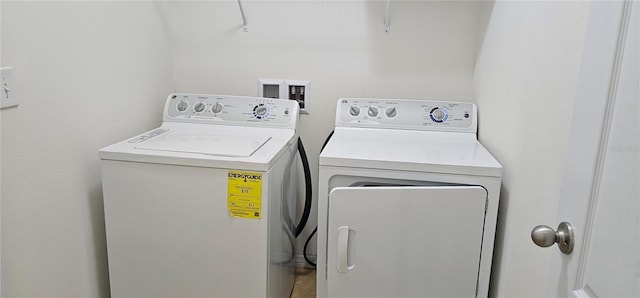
point(354, 110)
point(372, 111)
point(199, 107)
point(182, 106)
point(217, 108)
point(439, 114)
point(391, 112)
point(260, 111)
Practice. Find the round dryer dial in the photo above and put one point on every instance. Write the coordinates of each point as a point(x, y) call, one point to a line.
point(354, 110)
point(217, 108)
point(372, 112)
point(391, 112)
point(439, 114)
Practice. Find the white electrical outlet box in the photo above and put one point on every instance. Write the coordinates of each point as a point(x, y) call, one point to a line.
point(298, 90)
point(8, 93)
point(271, 88)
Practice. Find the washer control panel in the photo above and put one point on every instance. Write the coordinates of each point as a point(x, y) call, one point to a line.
point(414, 114)
point(230, 110)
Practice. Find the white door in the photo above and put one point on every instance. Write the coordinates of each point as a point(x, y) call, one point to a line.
point(601, 194)
point(404, 241)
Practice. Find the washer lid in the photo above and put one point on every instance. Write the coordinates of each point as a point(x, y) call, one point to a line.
point(218, 145)
point(211, 146)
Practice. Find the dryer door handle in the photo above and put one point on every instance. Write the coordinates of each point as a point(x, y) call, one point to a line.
point(342, 253)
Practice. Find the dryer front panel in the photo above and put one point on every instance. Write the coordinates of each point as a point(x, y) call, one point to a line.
point(405, 241)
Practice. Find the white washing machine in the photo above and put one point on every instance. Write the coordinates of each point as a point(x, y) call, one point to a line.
point(202, 205)
point(408, 200)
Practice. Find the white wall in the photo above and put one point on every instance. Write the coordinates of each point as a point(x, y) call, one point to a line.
point(2, 287)
point(89, 74)
point(525, 83)
point(340, 46)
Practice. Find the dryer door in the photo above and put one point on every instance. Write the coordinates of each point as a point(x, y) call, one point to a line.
point(405, 241)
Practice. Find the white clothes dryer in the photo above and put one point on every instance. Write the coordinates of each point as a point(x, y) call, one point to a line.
point(408, 201)
point(202, 205)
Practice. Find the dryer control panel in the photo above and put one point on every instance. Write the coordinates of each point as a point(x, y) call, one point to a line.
point(412, 114)
point(231, 110)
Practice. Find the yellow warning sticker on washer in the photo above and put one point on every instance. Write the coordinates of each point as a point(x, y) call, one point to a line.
point(244, 197)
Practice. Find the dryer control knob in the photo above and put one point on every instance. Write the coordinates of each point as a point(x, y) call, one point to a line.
point(372, 112)
point(182, 106)
point(439, 115)
point(391, 112)
point(354, 111)
point(217, 108)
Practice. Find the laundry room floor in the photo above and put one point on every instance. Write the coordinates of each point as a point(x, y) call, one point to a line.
point(305, 283)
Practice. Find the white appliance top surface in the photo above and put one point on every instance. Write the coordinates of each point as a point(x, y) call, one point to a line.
point(222, 131)
point(421, 151)
point(410, 135)
point(209, 144)
point(217, 146)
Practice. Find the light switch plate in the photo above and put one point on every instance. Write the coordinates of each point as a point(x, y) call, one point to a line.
point(8, 94)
